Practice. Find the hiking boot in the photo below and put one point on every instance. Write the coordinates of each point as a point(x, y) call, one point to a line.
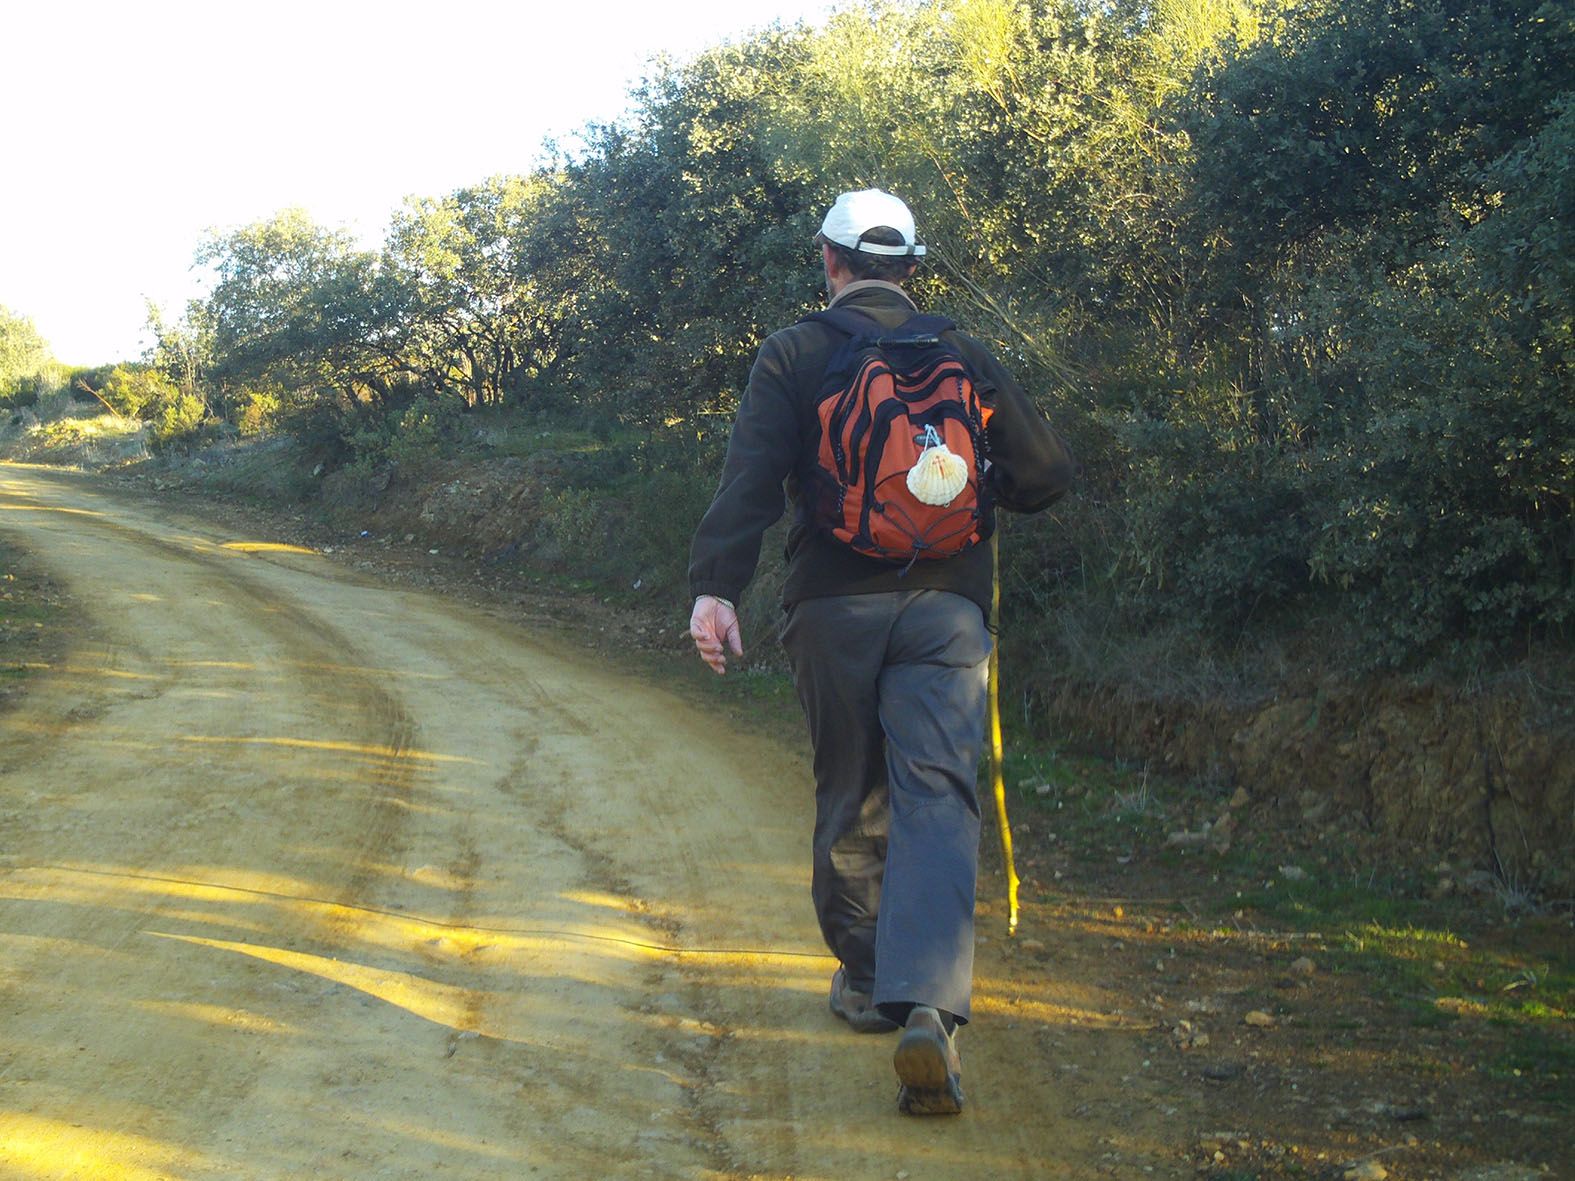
point(855, 1007)
point(928, 1066)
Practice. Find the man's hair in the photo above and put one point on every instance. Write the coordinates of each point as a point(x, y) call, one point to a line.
point(889, 267)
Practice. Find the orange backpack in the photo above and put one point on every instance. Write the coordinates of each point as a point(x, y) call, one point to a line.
point(888, 397)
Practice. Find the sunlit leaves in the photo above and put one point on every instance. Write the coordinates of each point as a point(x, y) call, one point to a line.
point(24, 356)
point(297, 303)
point(476, 319)
point(1295, 278)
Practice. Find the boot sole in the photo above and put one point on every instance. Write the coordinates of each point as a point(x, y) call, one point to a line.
point(928, 1087)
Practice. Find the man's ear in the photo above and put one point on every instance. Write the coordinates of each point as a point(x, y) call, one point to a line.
point(836, 269)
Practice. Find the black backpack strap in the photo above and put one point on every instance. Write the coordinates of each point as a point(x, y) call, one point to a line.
point(846, 321)
point(852, 321)
point(918, 329)
point(923, 325)
point(863, 331)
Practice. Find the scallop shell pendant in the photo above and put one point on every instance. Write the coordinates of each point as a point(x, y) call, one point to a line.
point(940, 473)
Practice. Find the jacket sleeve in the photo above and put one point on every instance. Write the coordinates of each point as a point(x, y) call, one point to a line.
point(760, 454)
point(1031, 466)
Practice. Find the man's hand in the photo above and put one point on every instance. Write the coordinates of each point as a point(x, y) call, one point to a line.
point(712, 625)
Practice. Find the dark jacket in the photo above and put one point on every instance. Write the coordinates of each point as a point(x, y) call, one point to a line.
point(774, 431)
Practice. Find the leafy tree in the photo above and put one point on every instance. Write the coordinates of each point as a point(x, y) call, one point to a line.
point(678, 213)
point(1372, 114)
point(299, 305)
point(1355, 137)
point(183, 350)
point(24, 358)
point(1296, 276)
point(1452, 496)
point(477, 321)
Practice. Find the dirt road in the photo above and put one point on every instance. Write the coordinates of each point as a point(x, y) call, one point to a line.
point(306, 876)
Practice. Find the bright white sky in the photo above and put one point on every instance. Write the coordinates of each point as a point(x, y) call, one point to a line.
point(131, 127)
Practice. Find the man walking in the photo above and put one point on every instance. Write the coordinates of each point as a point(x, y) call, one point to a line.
point(886, 599)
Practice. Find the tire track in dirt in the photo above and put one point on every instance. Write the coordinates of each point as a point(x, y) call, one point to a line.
point(346, 881)
point(369, 858)
point(308, 644)
point(295, 640)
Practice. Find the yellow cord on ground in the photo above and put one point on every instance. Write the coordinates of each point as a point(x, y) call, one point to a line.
point(997, 753)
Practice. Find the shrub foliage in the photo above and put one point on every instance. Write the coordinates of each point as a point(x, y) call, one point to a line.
point(1296, 280)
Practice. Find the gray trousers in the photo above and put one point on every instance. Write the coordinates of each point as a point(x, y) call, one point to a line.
point(894, 687)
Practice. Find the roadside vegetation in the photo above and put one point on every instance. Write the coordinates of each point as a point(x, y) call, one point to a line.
point(1298, 282)
point(1332, 1005)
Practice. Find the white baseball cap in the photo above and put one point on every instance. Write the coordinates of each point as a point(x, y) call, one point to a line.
point(856, 214)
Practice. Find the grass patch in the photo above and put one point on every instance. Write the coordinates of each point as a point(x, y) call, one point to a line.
point(1089, 801)
point(81, 435)
point(1538, 1066)
point(1322, 900)
point(69, 432)
point(528, 438)
point(1499, 980)
point(273, 471)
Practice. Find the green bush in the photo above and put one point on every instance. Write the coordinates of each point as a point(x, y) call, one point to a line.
point(425, 425)
point(1449, 483)
point(26, 365)
point(406, 427)
point(259, 412)
point(571, 524)
point(1297, 282)
point(137, 391)
point(24, 391)
point(180, 418)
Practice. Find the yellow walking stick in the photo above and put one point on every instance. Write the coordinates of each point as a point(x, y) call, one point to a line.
point(996, 753)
